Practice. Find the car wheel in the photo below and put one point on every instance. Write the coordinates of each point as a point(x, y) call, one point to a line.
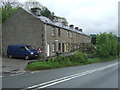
point(10, 56)
point(26, 57)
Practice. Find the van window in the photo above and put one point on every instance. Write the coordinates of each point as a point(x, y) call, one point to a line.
point(30, 48)
point(22, 49)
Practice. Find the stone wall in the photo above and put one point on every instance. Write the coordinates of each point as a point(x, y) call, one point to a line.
point(22, 28)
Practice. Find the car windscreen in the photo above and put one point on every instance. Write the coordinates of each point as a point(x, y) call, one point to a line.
point(30, 48)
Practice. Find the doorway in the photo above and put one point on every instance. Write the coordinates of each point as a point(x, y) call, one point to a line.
point(63, 47)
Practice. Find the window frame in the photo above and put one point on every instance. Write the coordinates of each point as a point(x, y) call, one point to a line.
point(53, 31)
point(53, 47)
point(59, 32)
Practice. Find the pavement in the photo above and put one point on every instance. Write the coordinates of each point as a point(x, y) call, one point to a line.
point(13, 66)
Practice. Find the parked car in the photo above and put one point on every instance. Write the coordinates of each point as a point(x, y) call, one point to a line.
point(22, 51)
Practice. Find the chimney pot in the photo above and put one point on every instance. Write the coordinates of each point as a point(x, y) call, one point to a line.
point(80, 30)
point(71, 26)
point(77, 28)
point(36, 11)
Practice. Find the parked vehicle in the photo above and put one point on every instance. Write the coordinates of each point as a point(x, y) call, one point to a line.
point(22, 51)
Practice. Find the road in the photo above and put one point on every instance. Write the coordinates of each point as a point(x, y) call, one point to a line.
point(99, 75)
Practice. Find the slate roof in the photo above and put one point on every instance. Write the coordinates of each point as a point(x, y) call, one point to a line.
point(56, 24)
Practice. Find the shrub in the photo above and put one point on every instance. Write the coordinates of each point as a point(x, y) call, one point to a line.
point(79, 57)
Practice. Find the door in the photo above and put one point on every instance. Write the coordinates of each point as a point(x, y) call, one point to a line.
point(63, 47)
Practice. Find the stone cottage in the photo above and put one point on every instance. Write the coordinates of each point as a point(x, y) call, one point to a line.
point(30, 28)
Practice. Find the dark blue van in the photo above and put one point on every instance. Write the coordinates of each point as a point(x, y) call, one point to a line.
point(21, 51)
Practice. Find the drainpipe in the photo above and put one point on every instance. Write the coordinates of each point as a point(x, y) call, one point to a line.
point(45, 53)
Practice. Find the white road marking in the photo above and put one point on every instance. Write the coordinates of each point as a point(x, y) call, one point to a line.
point(63, 79)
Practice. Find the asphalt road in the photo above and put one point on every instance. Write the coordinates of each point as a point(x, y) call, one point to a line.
point(100, 75)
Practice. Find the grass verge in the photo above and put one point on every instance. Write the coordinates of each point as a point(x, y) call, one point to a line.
point(65, 61)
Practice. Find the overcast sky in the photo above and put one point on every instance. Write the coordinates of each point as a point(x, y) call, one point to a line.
point(93, 16)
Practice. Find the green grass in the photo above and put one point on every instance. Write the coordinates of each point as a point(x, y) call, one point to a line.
point(49, 65)
point(98, 60)
point(66, 61)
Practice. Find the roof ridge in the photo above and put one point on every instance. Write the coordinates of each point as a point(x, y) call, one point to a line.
point(50, 22)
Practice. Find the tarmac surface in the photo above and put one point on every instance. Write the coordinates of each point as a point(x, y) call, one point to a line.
point(10, 66)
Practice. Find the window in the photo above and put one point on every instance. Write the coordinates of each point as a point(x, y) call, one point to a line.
point(53, 47)
point(68, 34)
point(22, 48)
point(78, 46)
point(53, 31)
point(71, 34)
point(76, 35)
point(30, 48)
point(68, 47)
point(59, 46)
point(59, 32)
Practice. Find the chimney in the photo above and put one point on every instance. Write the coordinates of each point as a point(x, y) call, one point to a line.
point(80, 30)
point(77, 28)
point(71, 26)
point(36, 11)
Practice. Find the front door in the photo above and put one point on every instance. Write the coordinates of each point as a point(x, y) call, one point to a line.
point(63, 47)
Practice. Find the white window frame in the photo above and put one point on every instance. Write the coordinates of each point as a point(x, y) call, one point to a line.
point(68, 34)
point(53, 31)
point(53, 47)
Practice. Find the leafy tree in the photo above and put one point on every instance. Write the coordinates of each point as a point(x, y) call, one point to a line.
point(32, 4)
point(45, 12)
point(7, 11)
point(107, 45)
point(118, 38)
point(93, 38)
point(62, 20)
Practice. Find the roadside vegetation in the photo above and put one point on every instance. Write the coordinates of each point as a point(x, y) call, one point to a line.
point(106, 48)
point(60, 61)
point(65, 61)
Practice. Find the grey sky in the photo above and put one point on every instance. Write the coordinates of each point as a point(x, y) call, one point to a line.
point(93, 16)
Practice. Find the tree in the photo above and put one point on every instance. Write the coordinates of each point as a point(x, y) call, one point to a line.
point(8, 8)
point(107, 45)
point(45, 12)
point(32, 4)
point(7, 12)
point(62, 20)
point(93, 38)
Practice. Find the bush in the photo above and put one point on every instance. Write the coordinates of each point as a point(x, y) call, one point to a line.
point(79, 57)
